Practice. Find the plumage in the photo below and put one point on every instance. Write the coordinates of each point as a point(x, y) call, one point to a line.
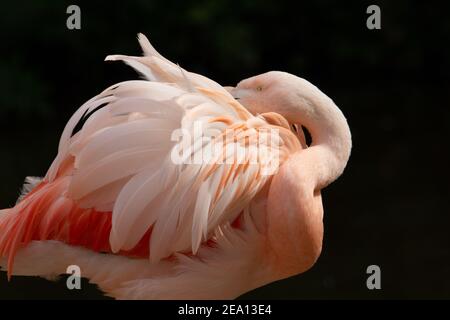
point(172, 180)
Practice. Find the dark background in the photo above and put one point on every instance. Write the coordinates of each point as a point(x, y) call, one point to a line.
point(390, 208)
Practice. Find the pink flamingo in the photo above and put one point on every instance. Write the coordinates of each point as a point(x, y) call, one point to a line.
point(142, 226)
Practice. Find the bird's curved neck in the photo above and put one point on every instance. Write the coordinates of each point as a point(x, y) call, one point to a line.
point(331, 140)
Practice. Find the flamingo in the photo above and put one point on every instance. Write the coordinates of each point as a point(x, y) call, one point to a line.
point(143, 226)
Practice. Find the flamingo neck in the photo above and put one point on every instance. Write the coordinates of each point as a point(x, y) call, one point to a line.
point(331, 140)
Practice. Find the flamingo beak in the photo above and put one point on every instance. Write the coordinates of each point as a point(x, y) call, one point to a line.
point(240, 93)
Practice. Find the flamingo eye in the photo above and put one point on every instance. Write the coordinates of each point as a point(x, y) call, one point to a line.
point(259, 88)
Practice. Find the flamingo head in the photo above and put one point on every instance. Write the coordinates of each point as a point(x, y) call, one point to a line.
point(292, 97)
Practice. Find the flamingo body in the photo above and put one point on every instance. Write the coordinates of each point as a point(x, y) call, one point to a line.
point(144, 226)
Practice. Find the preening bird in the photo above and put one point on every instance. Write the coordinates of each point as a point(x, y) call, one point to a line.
point(174, 187)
